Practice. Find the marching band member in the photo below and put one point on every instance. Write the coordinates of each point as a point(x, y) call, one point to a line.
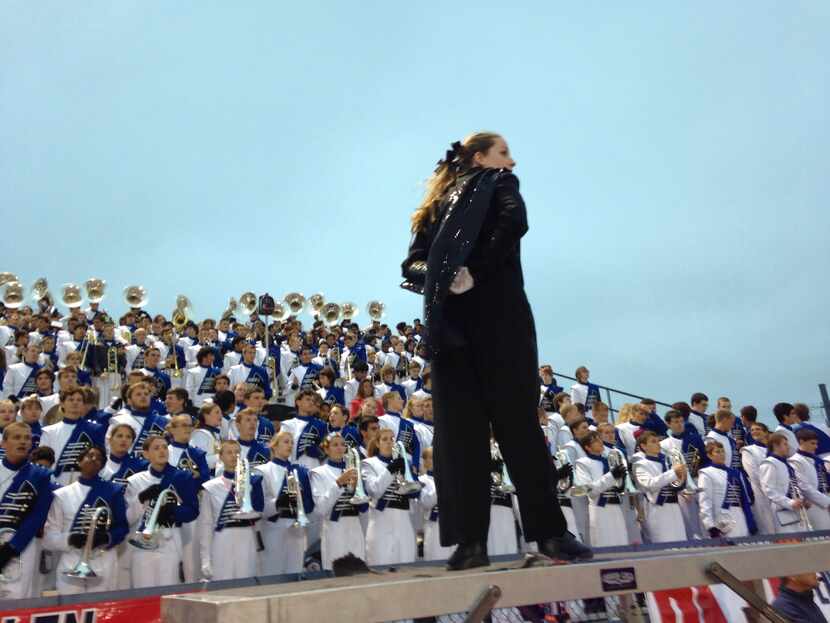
point(160, 566)
point(655, 478)
point(402, 430)
point(583, 391)
point(365, 394)
point(69, 346)
point(199, 379)
point(722, 433)
point(25, 497)
point(44, 389)
point(138, 415)
point(328, 392)
point(752, 455)
point(31, 413)
point(227, 537)
point(787, 421)
point(548, 388)
point(333, 486)
point(738, 432)
point(390, 538)
point(387, 384)
point(606, 520)
point(632, 420)
point(339, 423)
point(69, 524)
point(283, 532)
point(368, 426)
point(303, 376)
point(234, 356)
point(414, 382)
point(208, 434)
point(685, 439)
point(175, 403)
point(19, 380)
point(135, 351)
point(152, 357)
point(256, 452)
point(428, 502)
point(121, 464)
point(811, 472)
point(778, 482)
point(306, 430)
point(359, 371)
point(69, 437)
point(425, 391)
point(182, 455)
point(254, 399)
point(725, 497)
point(501, 535)
point(248, 372)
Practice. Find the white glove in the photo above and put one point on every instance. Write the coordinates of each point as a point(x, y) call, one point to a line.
point(207, 571)
point(463, 281)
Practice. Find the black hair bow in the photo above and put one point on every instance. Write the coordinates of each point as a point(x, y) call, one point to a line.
point(452, 157)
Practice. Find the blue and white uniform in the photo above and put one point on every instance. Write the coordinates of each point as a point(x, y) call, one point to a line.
point(725, 501)
point(814, 481)
point(68, 438)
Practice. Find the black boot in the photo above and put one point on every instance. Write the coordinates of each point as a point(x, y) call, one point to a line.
point(565, 547)
point(468, 556)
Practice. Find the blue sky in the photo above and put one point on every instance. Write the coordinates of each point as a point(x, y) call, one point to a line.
point(673, 159)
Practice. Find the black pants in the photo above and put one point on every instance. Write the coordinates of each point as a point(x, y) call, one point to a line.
point(492, 380)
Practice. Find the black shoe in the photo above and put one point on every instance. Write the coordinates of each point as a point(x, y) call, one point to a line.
point(468, 556)
point(565, 547)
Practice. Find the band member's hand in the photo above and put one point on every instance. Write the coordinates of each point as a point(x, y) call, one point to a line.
point(149, 493)
point(396, 465)
point(7, 552)
point(463, 281)
point(566, 471)
point(100, 539)
point(77, 540)
point(714, 533)
point(207, 571)
point(680, 471)
point(347, 478)
point(618, 471)
point(797, 505)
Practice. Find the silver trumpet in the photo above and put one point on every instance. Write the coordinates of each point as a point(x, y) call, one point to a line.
point(676, 458)
point(615, 457)
point(83, 569)
point(242, 485)
point(405, 483)
point(294, 491)
point(502, 480)
point(802, 512)
point(353, 462)
point(14, 569)
point(566, 485)
point(148, 538)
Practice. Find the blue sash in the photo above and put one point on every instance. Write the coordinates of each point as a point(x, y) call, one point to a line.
point(667, 493)
point(128, 466)
point(823, 438)
point(100, 495)
point(138, 362)
point(335, 395)
point(230, 507)
point(25, 504)
point(312, 371)
point(257, 453)
point(311, 437)
point(84, 434)
point(29, 385)
point(152, 425)
point(206, 386)
point(737, 487)
point(821, 472)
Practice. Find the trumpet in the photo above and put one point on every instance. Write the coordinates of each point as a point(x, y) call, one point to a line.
point(13, 570)
point(148, 538)
point(501, 480)
point(83, 569)
point(242, 484)
point(566, 485)
point(806, 524)
point(404, 483)
point(294, 491)
point(353, 462)
point(676, 457)
point(615, 458)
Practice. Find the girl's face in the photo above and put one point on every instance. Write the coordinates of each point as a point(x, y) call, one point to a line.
point(120, 442)
point(283, 447)
point(497, 157)
point(385, 442)
point(336, 448)
point(31, 412)
point(6, 414)
point(214, 416)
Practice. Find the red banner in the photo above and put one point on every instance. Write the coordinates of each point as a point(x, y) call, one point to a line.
point(142, 610)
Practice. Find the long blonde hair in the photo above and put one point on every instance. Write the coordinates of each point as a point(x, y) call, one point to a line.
point(445, 176)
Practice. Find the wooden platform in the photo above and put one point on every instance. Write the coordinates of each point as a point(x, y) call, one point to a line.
point(429, 591)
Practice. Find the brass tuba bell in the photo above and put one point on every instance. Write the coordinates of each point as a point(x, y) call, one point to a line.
point(13, 295)
point(376, 310)
point(316, 302)
point(281, 312)
point(248, 303)
point(95, 289)
point(330, 314)
point(7, 278)
point(295, 301)
point(232, 307)
point(71, 296)
point(350, 310)
point(135, 296)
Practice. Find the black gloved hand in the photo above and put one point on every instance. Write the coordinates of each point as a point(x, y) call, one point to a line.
point(396, 465)
point(167, 515)
point(619, 471)
point(77, 540)
point(566, 471)
point(100, 539)
point(7, 552)
point(715, 533)
point(150, 493)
